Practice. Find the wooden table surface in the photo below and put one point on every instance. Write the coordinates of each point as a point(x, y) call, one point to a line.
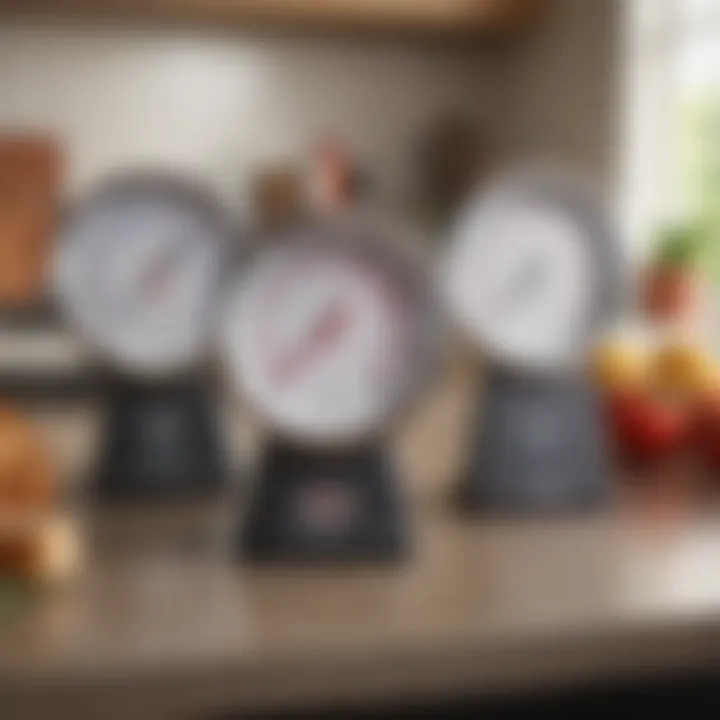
point(161, 623)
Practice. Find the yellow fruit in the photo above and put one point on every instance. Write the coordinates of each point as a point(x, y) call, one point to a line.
point(621, 365)
point(686, 369)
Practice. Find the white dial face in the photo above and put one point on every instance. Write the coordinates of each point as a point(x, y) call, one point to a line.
point(137, 274)
point(520, 277)
point(319, 340)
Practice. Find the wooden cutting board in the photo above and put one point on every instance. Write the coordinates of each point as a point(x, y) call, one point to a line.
point(30, 168)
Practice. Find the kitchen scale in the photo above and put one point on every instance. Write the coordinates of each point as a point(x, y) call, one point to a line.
point(137, 274)
point(329, 333)
point(532, 276)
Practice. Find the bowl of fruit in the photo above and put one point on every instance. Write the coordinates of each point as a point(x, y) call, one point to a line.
point(662, 399)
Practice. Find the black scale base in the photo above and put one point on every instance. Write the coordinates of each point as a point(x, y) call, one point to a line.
point(325, 507)
point(540, 447)
point(160, 443)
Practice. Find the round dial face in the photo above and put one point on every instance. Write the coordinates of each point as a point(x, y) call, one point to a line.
point(524, 276)
point(320, 339)
point(137, 272)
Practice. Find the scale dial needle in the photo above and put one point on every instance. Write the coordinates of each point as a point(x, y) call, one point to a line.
point(325, 332)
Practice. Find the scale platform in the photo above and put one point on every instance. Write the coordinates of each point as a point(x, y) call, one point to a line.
point(308, 506)
point(160, 441)
point(538, 446)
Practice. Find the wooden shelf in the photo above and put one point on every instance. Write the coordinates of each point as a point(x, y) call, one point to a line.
point(420, 17)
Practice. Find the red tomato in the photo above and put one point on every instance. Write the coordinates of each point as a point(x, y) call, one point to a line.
point(706, 431)
point(647, 428)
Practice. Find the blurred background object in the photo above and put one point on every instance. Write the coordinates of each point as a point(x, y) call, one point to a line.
point(334, 175)
point(38, 542)
point(30, 185)
point(454, 158)
point(670, 286)
point(279, 197)
point(29, 481)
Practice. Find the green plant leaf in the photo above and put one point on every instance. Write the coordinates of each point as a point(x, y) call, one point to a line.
point(680, 245)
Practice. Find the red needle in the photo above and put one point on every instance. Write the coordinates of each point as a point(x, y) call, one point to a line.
point(156, 277)
point(324, 334)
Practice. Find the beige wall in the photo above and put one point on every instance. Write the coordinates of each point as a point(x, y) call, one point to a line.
point(562, 89)
point(222, 103)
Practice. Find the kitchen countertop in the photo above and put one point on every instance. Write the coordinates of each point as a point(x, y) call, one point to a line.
point(161, 623)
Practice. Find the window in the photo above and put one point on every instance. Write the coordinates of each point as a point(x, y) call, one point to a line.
point(672, 150)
